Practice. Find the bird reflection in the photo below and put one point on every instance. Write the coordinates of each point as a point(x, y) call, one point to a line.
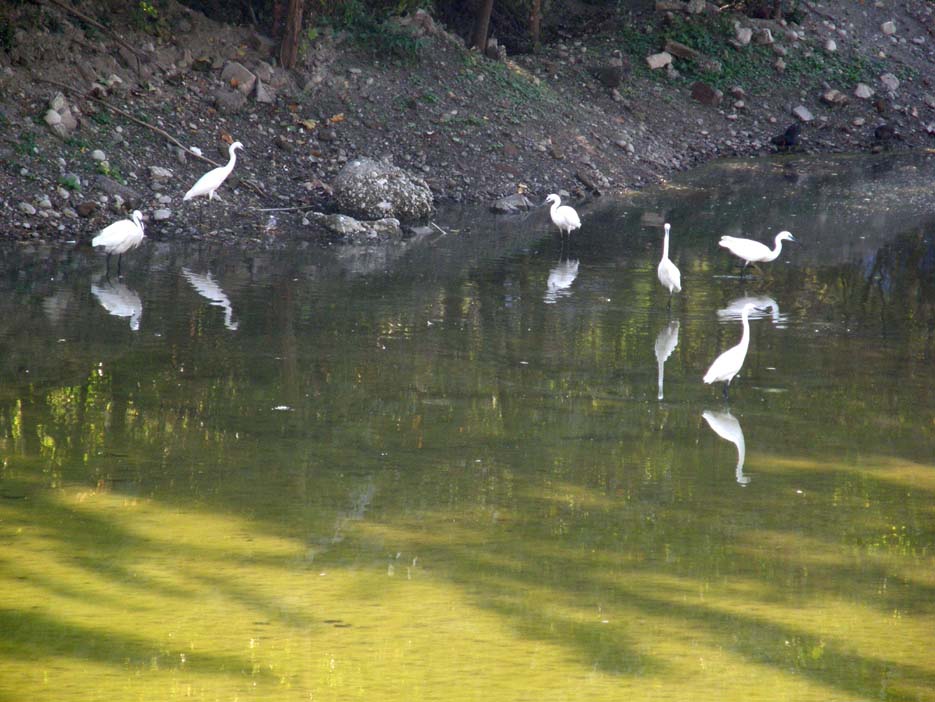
point(666, 342)
point(727, 427)
point(762, 304)
point(119, 300)
point(560, 279)
point(206, 287)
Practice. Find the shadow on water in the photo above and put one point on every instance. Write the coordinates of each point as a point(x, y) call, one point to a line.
point(457, 457)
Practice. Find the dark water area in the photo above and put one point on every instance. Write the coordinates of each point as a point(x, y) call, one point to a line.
point(484, 465)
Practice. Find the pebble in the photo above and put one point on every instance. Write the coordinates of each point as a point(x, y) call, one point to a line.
point(162, 214)
point(98, 155)
point(26, 208)
point(45, 203)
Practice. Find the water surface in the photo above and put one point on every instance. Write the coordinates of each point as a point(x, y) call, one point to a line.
point(446, 471)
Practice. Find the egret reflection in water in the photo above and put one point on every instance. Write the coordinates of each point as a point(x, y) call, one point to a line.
point(727, 427)
point(206, 287)
point(119, 300)
point(666, 341)
point(560, 279)
point(762, 305)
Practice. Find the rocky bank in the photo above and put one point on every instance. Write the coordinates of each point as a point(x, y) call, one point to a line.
point(102, 112)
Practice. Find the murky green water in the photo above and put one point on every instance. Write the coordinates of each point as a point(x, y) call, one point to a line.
point(444, 473)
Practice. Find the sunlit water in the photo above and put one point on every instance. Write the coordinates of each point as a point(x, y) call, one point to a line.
point(481, 467)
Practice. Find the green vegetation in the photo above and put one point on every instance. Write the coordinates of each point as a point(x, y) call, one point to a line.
point(70, 182)
point(26, 145)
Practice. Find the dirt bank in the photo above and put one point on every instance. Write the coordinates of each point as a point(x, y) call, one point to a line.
point(854, 76)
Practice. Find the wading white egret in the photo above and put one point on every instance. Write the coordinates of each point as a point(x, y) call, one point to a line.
point(729, 363)
point(120, 237)
point(666, 341)
point(668, 272)
point(725, 425)
point(560, 279)
point(206, 287)
point(753, 251)
point(119, 301)
point(211, 181)
point(563, 216)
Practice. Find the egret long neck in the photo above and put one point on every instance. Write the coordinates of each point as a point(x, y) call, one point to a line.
point(665, 245)
point(745, 338)
point(776, 248)
point(233, 160)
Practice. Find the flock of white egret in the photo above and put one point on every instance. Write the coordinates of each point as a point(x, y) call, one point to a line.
point(126, 234)
point(726, 366)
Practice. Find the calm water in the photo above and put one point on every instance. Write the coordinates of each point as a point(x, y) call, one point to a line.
point(445, 472)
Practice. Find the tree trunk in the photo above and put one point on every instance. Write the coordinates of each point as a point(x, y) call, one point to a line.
point(535, 23)
point(289, 48)
point(482, 26)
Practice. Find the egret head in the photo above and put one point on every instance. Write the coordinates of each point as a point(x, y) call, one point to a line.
point(785, 236)
point(553, 198)
point(236, 145)
point(137, 217)
point(667, 227)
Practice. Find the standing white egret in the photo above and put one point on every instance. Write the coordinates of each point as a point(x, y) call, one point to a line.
point(665, 344)
point(725, 425)
point(120, 237)
point(211, 181)
point(729, 363)
point(563, 216)
point(753, 251)
point(668, 272)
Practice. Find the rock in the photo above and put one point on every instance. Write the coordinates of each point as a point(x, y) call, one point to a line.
point(372, 190)
point(228, 101)
point(831, 46)
point(863, 91)
point(511, 204)
point(929, 100)
point(26, 208)
point(706, 94)
point(834, 98)
point(86, 209)
point(354, 231)
point(110, 186)
point(162, 214)
point(660, 60)
point(696, 7)
point(802, 113)
point(888, 28)
point(682, 51)
point(237, 76)
point(890, 82)
point(780, 65)
point(98, 155)
point(52, 118)
point(159, 174)
point(263, 71)
point(743, 35)
point(263, 94)
point(387, 229)
point(763, 36)
point(45, 203)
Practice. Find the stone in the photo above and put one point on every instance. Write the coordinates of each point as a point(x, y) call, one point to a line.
point(803, 113)
point(660, 60)
point(743, 35)
point(763, 36)
point(706, 94)
point(780, 65)
point(890, 82)
point(863, 91)
point(159, 174)
point(109, 186)
point(511, 204)
point(687, 53)
point(263, 71)
point(228, 101)
point(26, 208)
point(45, 203)
point(237, 76)
point(52, 118)
point(86, 209)
point(696, 7)
point(834, 98)
point(888, 27)
point(98, 155)
point(263, 94)
point(373, 189)
point(929, 100)
point(831, 46)
point(162, 214)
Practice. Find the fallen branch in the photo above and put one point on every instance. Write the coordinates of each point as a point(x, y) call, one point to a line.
point(439, 228)
point(97, 25)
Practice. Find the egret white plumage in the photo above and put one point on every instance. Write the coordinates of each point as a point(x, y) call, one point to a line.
point(212, 180)
point(725, 425)
point(560, 279)
point(666, 341)
point(119, 301)
point(563, 216)
point(206, 286)
point(120, 237)
point(729, 363)
point(668, 272)
point(753, 251)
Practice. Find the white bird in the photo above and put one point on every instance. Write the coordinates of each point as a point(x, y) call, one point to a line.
point(668, 272)
point(563, 216)
point(119, 301)
point(727, 427)
point(120, 237)
point(210, 290)
point(729, 363)
point(753, 251)
point(211, 181)
point(665, 344)
point(560, 279)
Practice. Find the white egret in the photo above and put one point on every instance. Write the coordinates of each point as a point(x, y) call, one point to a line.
point(119, 301)
point(753, 251)
point(206, 287)
point(211, 181)
point(563, 216)
point(725, 425)
point(668, 272)
point(560, 279)
point(729, 363)
point(665, 344)
point(120, 237)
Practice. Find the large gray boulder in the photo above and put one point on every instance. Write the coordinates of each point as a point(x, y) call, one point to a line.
point(370, 189)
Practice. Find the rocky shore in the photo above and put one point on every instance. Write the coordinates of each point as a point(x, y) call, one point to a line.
point(97, 121)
